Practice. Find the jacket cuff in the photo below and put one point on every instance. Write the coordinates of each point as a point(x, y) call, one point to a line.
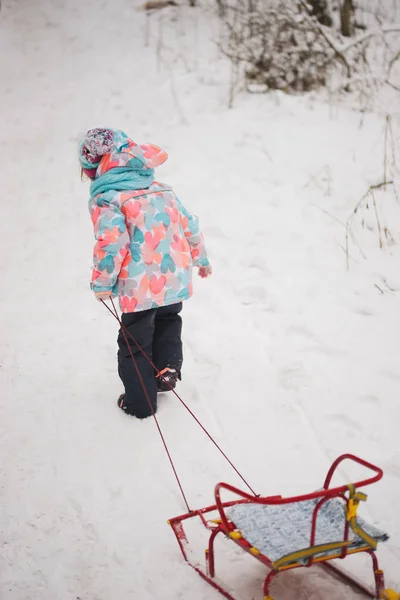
point(203, 262)
point(98, 289)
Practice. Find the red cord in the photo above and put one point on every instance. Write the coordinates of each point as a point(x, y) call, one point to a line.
point(125, 333)
point(154, 414)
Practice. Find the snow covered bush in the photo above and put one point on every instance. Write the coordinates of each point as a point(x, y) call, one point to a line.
point(278, 44)
point(285, 45)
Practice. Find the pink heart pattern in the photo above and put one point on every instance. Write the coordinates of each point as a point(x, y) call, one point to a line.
point(157, 284)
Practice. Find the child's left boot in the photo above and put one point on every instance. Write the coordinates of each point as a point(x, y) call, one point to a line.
point(167, 379)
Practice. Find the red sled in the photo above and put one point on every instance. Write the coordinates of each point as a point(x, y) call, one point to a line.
point(292, 533)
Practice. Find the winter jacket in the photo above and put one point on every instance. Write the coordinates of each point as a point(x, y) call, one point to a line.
point(147, 244)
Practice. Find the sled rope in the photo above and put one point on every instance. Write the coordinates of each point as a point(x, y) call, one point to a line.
point(126, 334)
point(155, 419)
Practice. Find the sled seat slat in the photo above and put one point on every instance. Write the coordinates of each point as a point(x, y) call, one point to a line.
point(284, 529)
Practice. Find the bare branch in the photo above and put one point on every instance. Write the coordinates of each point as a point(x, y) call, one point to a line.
point(156, 4)
point(367, 35)
point(392, 62)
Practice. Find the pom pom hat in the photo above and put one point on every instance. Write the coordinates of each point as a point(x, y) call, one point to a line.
point(102, 149)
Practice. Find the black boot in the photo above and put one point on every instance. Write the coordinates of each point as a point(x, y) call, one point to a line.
point(167, 379)
point(121, 404)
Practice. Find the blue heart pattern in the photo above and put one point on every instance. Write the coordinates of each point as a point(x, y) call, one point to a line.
point(167, 264)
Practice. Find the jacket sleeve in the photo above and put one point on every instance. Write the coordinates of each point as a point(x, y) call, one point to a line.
point(112, 244)
point(194, 236)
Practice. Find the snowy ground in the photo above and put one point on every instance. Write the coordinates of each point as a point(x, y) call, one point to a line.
point(290, 359)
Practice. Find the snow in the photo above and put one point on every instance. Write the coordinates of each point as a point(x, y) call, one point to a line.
point(290, 358)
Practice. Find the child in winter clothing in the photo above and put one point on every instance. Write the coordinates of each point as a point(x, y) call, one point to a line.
point(147, 244)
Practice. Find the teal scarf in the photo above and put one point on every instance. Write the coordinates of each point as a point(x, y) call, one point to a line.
point(122, 178)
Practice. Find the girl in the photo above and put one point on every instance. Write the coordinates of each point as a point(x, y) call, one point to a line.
point(147, 244)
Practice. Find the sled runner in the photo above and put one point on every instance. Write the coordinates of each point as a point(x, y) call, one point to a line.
point(291, 533)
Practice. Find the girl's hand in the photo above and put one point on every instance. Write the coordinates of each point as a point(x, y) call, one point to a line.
point(205, 272)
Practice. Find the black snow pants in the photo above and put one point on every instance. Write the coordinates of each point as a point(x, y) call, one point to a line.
point(158, 331)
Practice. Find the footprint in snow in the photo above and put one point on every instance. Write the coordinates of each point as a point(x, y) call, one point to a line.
point(347, 422)
point(317, 346)
point(293, 377)
point(391, 467)
point(363, 311)
point(352, 427)
point(256, 295)
point(390, 374)
point(370, 400)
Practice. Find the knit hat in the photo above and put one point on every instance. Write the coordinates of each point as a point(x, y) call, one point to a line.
point(120, 151)
point(95, 144)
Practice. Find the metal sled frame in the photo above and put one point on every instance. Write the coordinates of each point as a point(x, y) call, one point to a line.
point(341, 549)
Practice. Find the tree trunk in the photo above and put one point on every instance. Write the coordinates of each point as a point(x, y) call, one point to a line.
point(321, 11)
point(346, 18)
point(221, 8)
